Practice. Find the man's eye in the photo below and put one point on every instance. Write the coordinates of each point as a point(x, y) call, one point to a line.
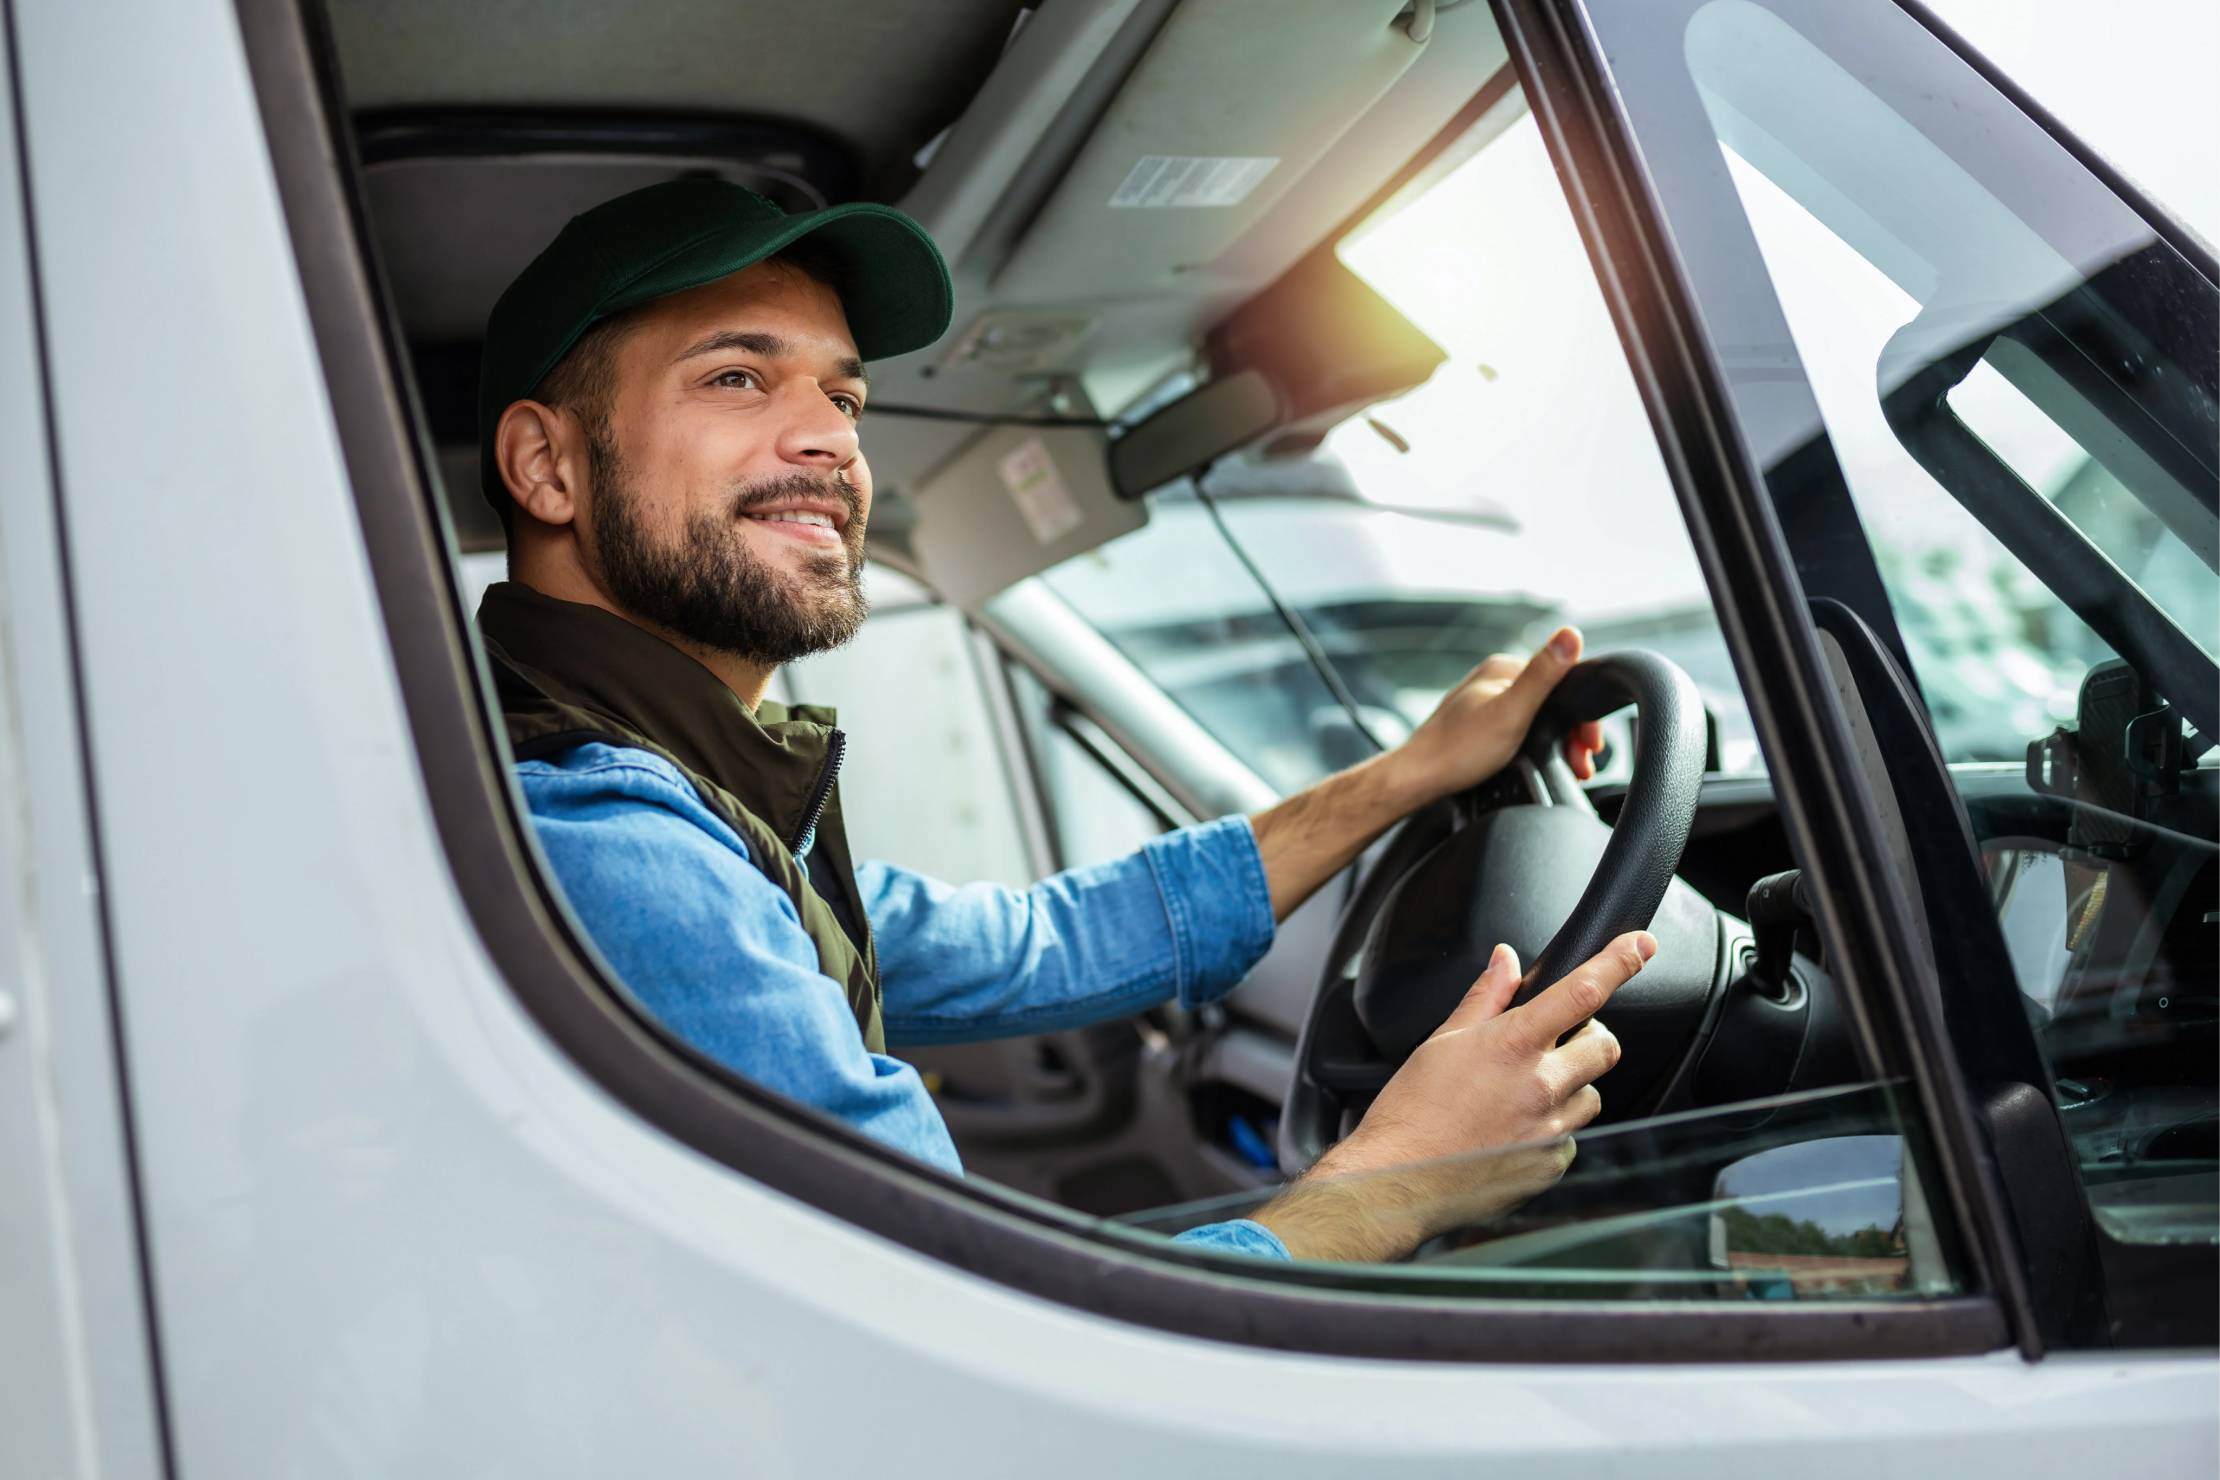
point(737, 379)
point(852, 407)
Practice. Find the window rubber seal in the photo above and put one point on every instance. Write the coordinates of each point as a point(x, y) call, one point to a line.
point(984, 1230)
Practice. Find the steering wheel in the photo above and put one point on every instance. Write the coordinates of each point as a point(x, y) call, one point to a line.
point(1524, 859)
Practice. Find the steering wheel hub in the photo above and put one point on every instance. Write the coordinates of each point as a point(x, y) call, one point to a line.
point(1516, 875)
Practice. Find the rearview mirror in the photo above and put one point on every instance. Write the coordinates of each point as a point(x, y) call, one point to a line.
point(1200, 427)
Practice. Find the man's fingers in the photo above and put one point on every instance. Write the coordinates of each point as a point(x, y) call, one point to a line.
point(1542, 671)
point(1581, 995)
point(1587, 1055)
point(1491, 993)
point(1580, 749)
point(1584, 1106)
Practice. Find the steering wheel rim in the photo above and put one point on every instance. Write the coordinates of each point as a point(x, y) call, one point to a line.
point(1653, 825)
point(1623, 892)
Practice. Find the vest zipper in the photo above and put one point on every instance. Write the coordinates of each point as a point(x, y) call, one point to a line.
point(836, 746)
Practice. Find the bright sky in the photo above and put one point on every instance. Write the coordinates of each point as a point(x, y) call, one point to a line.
point(2133, 79)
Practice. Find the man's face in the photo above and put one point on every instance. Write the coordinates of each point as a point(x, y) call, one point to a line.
point(728, 494)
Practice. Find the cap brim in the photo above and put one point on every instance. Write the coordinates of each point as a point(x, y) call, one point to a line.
point(894, 289)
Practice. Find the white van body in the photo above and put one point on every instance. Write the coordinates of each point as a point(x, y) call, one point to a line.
point(291, 1185)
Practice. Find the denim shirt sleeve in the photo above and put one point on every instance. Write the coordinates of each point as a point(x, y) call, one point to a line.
point(709, 946)
point(713, 950)
point(1243, 1236)
point(1185, 918)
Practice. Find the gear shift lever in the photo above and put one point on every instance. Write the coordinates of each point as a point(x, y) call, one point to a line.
point(1777, 909)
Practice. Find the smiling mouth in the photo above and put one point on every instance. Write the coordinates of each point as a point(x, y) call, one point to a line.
point(793, 516)
point(807, 525)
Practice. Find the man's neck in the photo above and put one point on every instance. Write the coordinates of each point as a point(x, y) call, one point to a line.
point(748, 680)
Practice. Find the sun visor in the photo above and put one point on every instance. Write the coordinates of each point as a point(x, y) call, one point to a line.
point(1234, 101)
point(1328, 345)
point(1013, 503)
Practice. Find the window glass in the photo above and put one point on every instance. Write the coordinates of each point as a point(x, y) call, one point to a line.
point(925, 782)
point(1999, 656)
point(1800, 1198)
point(1518, 489)
point(1095, 815)
point(1986, 348)
point(2172, 564)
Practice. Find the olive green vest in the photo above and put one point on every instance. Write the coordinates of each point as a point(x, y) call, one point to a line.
point(567, 674)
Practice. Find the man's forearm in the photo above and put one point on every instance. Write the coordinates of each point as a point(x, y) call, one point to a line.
point(1313, 835)
point(1352, 1213)
point(1341, 1222)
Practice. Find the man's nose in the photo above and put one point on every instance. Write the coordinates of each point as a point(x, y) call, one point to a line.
point(816, 432)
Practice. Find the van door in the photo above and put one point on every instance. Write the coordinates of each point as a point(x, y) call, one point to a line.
point(420, 1197)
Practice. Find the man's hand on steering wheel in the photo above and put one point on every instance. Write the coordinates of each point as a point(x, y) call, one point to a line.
point(1472, 734)
point(1479, 1119)
point(1477, 727)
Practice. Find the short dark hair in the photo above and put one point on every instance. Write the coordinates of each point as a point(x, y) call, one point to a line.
point(584, 380)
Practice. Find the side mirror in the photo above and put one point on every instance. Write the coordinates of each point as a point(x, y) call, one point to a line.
point(1200, 427)
point(1835, 1216)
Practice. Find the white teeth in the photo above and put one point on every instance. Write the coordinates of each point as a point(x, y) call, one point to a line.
point(822, 521)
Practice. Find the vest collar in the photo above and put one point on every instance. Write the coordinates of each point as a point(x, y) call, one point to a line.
point(772, 759)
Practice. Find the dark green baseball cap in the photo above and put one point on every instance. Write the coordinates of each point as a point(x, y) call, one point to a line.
point(679, 235)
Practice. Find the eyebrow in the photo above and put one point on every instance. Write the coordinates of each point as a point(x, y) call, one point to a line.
point(770, 346)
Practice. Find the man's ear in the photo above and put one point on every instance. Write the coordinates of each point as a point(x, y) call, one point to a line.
point(540, 450)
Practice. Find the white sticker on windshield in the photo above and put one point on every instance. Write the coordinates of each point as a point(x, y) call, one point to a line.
point(1160, 180)
point(1039, 492)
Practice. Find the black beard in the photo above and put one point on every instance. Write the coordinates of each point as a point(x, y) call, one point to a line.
point(709, 588)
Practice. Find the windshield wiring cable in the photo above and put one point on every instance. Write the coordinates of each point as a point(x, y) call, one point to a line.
point(1296, 626)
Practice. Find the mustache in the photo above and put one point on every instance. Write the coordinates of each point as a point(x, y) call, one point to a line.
point(800, 484)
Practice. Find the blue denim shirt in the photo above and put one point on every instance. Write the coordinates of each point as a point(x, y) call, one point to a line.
point(716, 951)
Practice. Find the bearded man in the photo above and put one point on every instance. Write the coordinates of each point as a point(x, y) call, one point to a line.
point(669, 407)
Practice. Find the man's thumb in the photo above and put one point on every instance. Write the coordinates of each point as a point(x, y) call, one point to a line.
point(1492, 993)
point(1547, 666)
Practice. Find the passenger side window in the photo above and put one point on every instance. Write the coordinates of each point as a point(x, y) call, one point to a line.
point(1100, 805)
point(930, 780)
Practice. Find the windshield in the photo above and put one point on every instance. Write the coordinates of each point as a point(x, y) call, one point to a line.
point(1519, 488)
